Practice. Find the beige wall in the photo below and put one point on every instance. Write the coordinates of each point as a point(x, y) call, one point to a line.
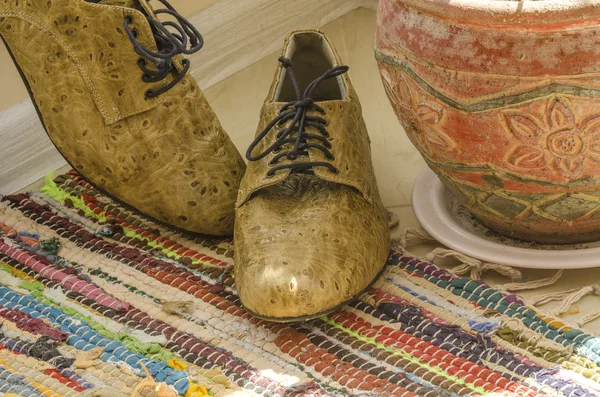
point(12, 89)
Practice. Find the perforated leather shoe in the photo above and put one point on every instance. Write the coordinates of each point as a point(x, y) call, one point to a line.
point(311, 231)
point(113, 91)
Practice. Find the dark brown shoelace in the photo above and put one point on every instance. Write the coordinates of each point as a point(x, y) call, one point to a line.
point(185, 39)
point(297, 112)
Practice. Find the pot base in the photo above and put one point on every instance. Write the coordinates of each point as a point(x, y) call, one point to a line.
point(561, 235)
point(561, 218)
point(440, 213)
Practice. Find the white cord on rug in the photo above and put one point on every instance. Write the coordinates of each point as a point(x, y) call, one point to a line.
point(588, 318)
point(393, 219)
point(472, 266)
point(476, 268)
point(568, 298)
point(534, 284)
point(414, 236)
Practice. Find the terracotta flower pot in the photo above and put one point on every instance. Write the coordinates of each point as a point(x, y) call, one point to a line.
point(502, 99)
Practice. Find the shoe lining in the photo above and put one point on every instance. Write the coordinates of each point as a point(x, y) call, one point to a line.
point(311, 56)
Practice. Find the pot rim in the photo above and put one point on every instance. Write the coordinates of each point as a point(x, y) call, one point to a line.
point(515, 12)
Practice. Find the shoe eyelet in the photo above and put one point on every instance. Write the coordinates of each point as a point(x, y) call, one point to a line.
point(142, 62)
point(145, 78)
point(128, 19)
point(335, 171)
point(277, 150)
point(135, 32)
point(332, 157)
point(148, 95)
point(270, 174)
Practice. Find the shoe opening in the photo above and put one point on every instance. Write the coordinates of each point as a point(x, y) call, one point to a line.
point(311, 56)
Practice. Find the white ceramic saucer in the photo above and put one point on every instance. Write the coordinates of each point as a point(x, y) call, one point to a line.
point(445, 219)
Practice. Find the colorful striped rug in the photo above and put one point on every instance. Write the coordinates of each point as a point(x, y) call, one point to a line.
point(92, 294)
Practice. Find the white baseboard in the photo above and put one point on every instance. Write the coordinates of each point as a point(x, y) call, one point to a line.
point(237, 34)
point(26, 153)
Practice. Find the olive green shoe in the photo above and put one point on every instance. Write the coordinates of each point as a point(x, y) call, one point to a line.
point(311, 232)
point(113, 91)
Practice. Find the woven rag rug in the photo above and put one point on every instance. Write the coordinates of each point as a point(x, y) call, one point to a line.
point(92, 296)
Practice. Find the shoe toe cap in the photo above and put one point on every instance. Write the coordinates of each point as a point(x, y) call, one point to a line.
point(292, 265)
point(282, 286)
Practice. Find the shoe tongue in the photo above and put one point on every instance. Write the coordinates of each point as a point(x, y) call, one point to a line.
point(297, 185)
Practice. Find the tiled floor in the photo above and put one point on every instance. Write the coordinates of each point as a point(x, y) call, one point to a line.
point(238, 99)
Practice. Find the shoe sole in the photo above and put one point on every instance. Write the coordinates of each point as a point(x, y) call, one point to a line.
point(104, 192)
point(321, 313)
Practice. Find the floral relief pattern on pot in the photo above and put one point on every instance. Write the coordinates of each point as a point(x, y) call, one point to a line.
point(554, 138)
point(422, 118)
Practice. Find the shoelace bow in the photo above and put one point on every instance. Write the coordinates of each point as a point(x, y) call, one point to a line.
point(169, 44)
point(297, 112)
